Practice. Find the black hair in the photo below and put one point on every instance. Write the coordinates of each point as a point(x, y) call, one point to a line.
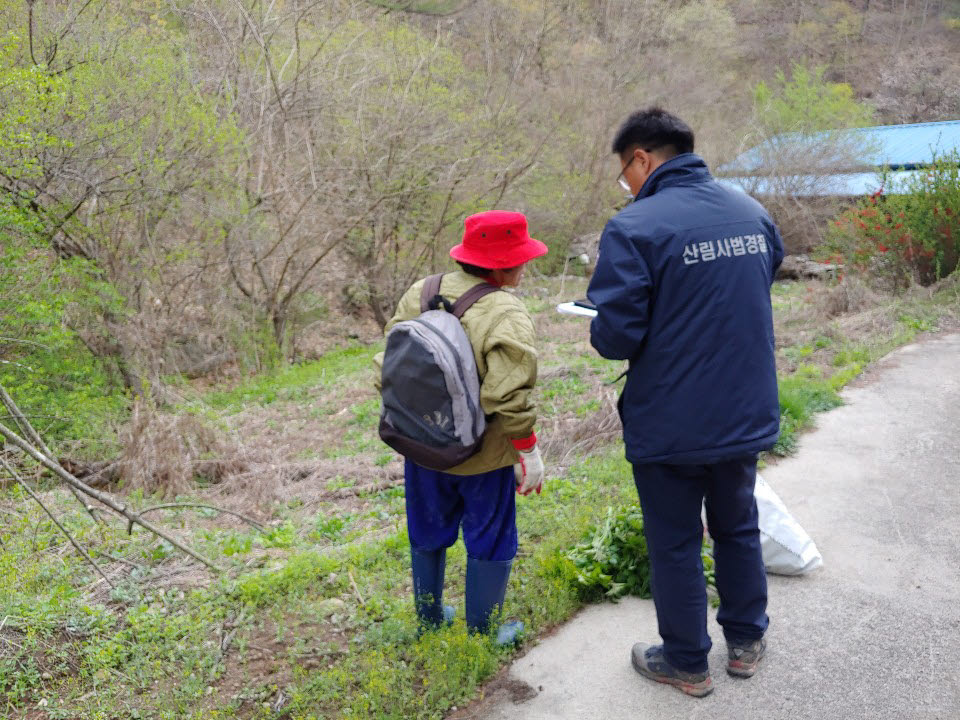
point(654, 129)
point(475, 270)
point(480, 272)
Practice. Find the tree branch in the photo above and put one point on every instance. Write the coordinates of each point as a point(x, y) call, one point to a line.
point(73, 541)
point(101, 497)
point(30, 29)
point(27, 429)
point(165, 506)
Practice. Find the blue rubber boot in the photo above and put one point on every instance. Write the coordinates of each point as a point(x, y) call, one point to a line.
point(486, 588)
point(428, 568)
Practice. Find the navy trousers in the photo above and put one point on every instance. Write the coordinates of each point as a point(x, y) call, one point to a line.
point(671, 497)
point(439, 503)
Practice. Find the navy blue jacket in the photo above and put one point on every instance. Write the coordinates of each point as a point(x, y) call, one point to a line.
point(682, 289)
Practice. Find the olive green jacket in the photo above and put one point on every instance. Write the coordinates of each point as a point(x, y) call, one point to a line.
point(504, 345)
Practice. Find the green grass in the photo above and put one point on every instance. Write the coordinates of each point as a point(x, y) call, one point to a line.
point(811, 389)
point(156, 653)
point(802, 395)
point(296, 382)
point(568, 393)
point(785, 295)
point(583, 360)
point(355, 442)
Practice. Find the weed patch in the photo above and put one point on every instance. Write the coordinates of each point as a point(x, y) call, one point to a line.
point(802, 396)
point(612, 560)
point(295, 383)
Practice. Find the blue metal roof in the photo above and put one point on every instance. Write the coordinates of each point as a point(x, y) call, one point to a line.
point(840, 185)
point(896, 146)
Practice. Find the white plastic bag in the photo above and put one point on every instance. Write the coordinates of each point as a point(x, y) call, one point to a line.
point(787, 549)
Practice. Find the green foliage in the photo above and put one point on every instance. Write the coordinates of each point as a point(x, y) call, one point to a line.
point(553, 219)
point(312, 576)
point(70, 394)
point(296, 382)
point(802, 395)
point(102, 156)
point(849, 356)
point(282, 536)
point(811, 389)
point(149, 635)
point(910, 233)
point(612, 560)
point(42, 363)
point(806, 102)
point(797, 353)
point(28, 96)
point(918, 323)
point(298, 574)
point(124, 127)
point(366, 414)
point(567, 394)
point(443, 152)
point(329, 528)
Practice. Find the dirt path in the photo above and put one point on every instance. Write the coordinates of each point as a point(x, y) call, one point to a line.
point(874, 634)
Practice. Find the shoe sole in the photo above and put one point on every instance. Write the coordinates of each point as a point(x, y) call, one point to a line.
point(742, 671)
point(700, 689)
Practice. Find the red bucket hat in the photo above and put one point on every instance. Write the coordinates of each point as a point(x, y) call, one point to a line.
point(497, 240)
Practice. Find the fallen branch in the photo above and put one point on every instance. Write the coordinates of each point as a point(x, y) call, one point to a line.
point(100, 497)
point(241, 516)
point(56, 522)
point(355, 588)
point(119, 559)
point(16, 364)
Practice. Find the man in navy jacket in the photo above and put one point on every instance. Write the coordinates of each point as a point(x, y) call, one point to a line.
point(682, 291)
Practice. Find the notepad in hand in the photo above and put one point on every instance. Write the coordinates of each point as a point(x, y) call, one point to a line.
point(584, 308)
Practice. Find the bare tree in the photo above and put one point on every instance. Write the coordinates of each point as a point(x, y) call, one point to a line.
point(800, 176)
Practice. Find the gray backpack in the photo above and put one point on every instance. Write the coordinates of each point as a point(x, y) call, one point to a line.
point(430, 386)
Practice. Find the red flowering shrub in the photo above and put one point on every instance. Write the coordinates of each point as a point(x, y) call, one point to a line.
point(910, 234)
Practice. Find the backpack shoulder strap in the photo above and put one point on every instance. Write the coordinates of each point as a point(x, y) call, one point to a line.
point(431, 288)
point(465, 301)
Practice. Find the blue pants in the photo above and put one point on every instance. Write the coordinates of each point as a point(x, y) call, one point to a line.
point(671, 497)
point(439, 503)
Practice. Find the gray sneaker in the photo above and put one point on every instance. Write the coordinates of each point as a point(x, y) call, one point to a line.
point(742, 660)
point(648, 660)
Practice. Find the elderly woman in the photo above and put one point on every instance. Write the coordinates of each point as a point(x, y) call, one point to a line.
point(478, 494)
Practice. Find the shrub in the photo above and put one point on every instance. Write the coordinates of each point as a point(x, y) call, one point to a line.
point(799, 143)
point(909, 235)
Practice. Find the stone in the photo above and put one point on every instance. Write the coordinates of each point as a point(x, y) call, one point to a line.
point(801, 267)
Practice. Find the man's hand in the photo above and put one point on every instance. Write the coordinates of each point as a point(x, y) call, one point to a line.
point(529, 471)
